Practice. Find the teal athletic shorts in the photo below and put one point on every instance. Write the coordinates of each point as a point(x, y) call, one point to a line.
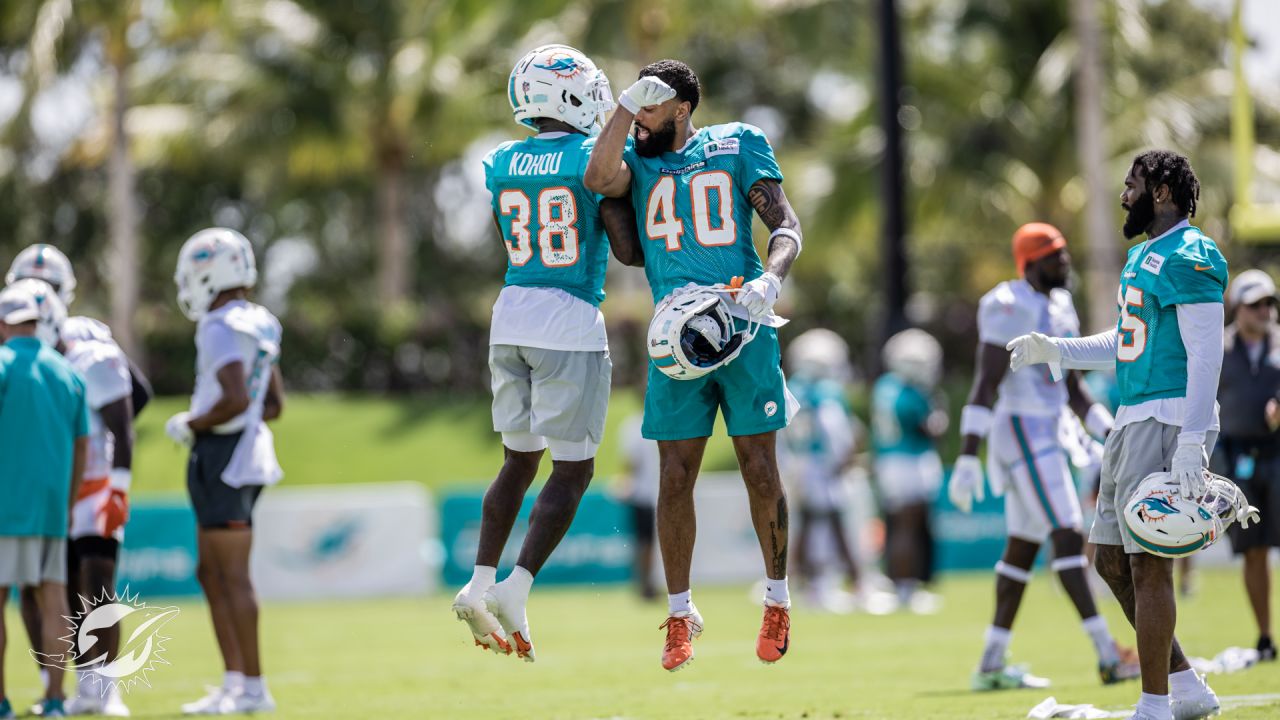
point(750, 390)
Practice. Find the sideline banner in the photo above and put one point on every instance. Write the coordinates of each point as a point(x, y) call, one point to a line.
point(309, 543)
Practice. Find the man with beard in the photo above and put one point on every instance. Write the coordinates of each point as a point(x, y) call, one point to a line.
point(1167, 351)
point(693, 191)
point(1020, 413)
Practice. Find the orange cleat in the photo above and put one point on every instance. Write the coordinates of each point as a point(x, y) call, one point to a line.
point(523, 648)
point(775, 634)
point(681, 630)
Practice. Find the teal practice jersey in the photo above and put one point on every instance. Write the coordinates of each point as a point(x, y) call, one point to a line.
point(1181, 267)
point(692, 208)
point(550, 223)
point(806, 435)
point(898, 414)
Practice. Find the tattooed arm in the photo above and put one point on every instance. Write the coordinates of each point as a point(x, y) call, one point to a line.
point(774, 209)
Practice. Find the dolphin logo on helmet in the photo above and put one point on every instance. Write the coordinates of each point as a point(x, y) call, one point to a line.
point(693, 333)
point(1164, 523)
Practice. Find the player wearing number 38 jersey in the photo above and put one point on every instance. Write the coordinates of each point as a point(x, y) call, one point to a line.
point(694, 192)
point(1167, 353)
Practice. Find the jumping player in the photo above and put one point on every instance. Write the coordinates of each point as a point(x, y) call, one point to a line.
point(693, 191)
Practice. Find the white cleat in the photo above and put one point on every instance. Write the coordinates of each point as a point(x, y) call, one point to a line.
point(217, 701)
point(1201, 704)
point(114, 705)
point(485, 629)
point(243, 702)
point(507, 607)
point(85, 704)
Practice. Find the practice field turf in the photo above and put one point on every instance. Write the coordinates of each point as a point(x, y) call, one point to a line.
point(598, 658)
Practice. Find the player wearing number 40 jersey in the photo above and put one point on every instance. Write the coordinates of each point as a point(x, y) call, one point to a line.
point(1167, 353)
point(548, 354)
point(693, 191)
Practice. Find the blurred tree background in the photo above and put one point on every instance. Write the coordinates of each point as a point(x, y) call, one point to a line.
point(344, 139)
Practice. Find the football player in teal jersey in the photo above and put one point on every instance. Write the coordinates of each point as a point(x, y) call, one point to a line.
point(548, 353)
point(694, 191)
point(1167, 352)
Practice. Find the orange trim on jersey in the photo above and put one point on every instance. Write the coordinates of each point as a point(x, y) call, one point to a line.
point(567, 222)
point(667, 186)
point(1133, 332)
point(727, 223)
point(519, 225)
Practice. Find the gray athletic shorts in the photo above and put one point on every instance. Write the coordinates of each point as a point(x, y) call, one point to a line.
point(1132, 453)
point(557, 394)
point(32, 560)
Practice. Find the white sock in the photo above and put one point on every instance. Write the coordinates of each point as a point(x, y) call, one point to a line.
point(1157, 706)
point(680, 602)
point(521, 580)
point(906, 588)
point(44, 678)
point(482, 577)
point(776, 593)
point(1185, 682)
point(995, 645)
point(255, 686)
point(1103, 643)
point(232, 680)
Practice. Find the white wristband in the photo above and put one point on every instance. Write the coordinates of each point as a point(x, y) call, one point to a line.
point(120, 479)
point(1098, 420)
point(975, 420)
point(787, 232)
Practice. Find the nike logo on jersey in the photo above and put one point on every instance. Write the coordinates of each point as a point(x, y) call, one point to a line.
point(1202, 269)
point(529, 164)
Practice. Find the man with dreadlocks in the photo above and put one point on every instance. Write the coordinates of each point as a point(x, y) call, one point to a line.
point(1167, 352)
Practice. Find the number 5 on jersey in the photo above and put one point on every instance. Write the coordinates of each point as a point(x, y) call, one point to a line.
point(1130, 347)
point(557, 226)
point(663, 223)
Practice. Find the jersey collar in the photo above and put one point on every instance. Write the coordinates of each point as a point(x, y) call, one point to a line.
point(1185, 223)
point(553, 135)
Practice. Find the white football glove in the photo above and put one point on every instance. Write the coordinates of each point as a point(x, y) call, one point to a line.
point(1187, 469)
point(1034, 349)
point(759, 295)
point(966, 484)
point(645, 92)
point(179, 431)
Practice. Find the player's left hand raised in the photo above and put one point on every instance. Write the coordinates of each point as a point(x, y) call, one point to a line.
point(759, 295)
point(1187, 468)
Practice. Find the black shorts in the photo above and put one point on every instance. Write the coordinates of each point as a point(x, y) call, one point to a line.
point(644, 521)
point(1261, 488)
point(217, 504)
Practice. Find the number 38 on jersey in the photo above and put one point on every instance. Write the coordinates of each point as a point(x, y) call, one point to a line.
point(555, 217)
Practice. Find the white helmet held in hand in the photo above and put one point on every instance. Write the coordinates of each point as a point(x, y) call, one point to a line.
point(40, 297)
point(211, 261)
point(915, 356)
point(47, 263)
point(561, 83)
point(692, 333)
point(1164, 523)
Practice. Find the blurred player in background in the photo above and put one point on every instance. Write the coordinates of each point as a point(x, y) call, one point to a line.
point(548, 352)
point(1021, 414)
point(1167, 351)
point(44, 429)
point(238, 389)
point(640, 492)
point(112, 384)
point(693, 191)
point(906, 421)
point(1249, 450)
point(817, 448)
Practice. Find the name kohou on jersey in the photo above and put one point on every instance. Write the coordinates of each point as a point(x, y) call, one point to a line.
point(693, 210)
point(549, 221)
point(1183, 266)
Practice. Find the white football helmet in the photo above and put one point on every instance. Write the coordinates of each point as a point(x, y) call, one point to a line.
point(209, 262)
point(819, 354)
point(914, 355)
point(559, 82)
point(47, 263)
point(52, 312)
point(82, 329)
point(692, 333)
point(1164, 523)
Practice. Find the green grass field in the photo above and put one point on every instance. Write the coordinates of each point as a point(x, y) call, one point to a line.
point(598, 658)
point(328, 439)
